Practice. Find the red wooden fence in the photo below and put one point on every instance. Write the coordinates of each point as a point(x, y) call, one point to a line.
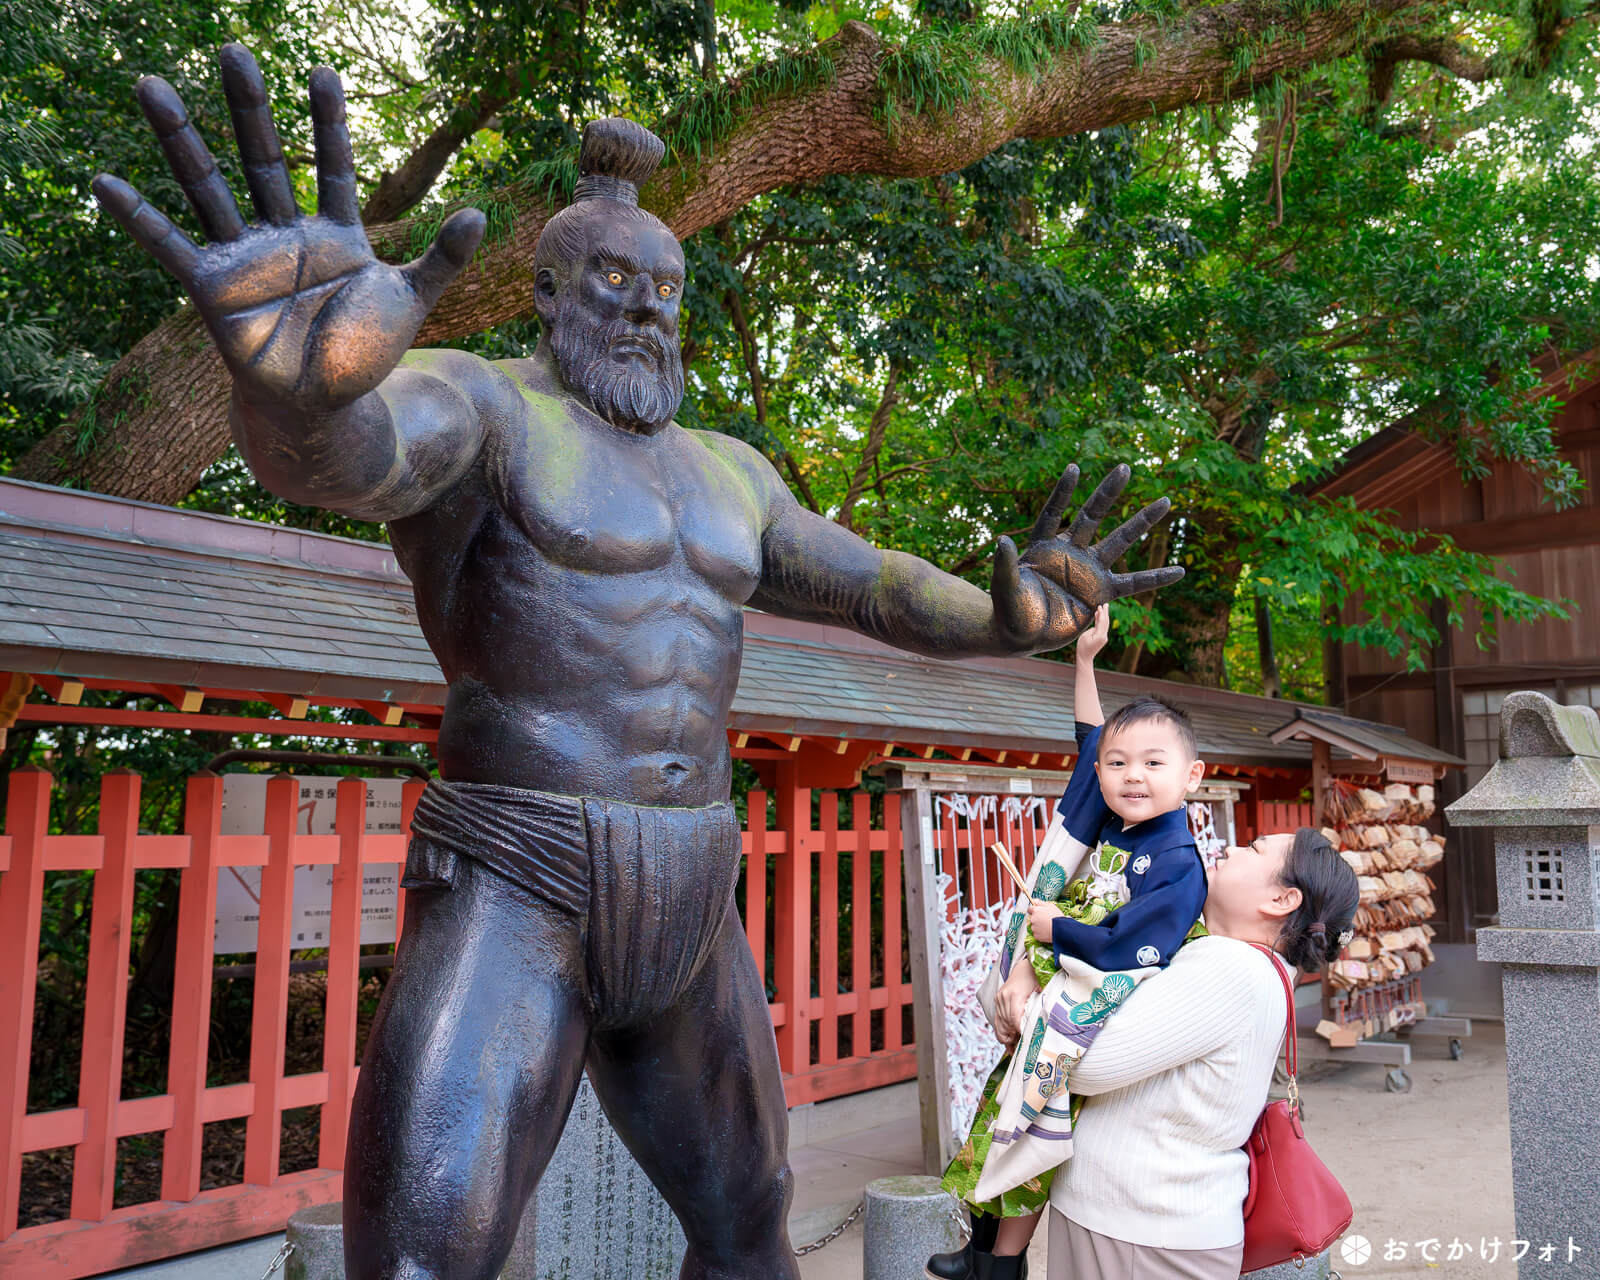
point(845, 1036)
point(1264, 817)
point(962, 837)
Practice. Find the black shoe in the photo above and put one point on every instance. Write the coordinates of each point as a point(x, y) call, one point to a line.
point(952, 1266)
point(961, 1264)
point(995, 1266)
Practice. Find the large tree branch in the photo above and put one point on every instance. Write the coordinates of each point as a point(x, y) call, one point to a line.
point(1440, 51)
point(877, 428)
point(1551, 25)
point(400, 191)
point(154, 447)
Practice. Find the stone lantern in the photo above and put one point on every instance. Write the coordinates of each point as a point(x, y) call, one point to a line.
point(1542, 800)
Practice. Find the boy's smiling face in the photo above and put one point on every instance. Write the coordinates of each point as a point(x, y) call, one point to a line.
point(1145, 770)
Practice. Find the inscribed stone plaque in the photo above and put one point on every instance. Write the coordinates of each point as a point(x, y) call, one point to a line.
point(599, 1217)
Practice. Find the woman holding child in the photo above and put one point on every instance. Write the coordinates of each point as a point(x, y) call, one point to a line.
point(1144, 1041)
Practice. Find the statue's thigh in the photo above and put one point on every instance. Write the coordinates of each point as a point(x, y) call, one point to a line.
point(471, 1068)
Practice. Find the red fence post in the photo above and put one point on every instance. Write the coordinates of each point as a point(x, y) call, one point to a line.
point(755, 880)
point(263, 1133)
point(21, 900)
point(191, 989)
point(861, 924)
point(344, 972)
point(94, 1164)
point(792, 921)
point(893, 913)
point(828, 931)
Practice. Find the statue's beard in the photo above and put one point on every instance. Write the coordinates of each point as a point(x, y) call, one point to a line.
point(640, 393)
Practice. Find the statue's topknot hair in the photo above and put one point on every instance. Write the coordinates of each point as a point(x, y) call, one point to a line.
point(615, 159)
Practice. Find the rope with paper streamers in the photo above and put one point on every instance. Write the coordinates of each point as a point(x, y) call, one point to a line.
point(1203, 822)
point(968, 944)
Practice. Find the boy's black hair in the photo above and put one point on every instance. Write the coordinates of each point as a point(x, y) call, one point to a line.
point(1157, 709)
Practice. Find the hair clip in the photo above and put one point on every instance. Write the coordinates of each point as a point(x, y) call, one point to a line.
point(1344, 938)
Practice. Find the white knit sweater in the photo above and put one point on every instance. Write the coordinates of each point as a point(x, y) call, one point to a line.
point(1175, 1083)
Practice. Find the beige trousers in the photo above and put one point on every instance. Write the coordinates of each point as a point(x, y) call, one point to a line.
point(1077, 1253)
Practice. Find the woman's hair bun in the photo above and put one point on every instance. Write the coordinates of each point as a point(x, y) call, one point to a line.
point(1329, 893)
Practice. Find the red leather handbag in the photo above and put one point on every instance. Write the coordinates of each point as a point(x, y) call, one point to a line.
point(1295, 1208)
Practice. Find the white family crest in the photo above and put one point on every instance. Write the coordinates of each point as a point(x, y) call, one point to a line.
point(1148, 956)
point(1141, 864)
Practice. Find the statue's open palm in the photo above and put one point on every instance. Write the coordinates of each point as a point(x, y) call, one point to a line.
point(300, 309)
point(1047, 595)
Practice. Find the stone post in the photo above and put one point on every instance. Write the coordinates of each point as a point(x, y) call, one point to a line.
point(1542, 800)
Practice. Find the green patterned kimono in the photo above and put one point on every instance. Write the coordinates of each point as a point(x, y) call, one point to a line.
point(1078, 901)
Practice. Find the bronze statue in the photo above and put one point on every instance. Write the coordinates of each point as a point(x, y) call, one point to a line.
point(580, 565)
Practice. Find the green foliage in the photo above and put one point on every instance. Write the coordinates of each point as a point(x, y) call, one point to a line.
point(75, 292)
point(939, 68)
point(499, 208)
point(693, 127)
point(1228, 297)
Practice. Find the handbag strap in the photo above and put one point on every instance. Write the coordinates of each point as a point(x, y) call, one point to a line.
point(1291, 1058)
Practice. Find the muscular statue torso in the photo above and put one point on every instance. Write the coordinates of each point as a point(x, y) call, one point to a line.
point(582, 588)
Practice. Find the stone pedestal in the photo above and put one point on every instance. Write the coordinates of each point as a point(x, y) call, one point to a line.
point(317, 1235)
point(907, 1220)
point(1542, 800)
point(1317, 1268)
point(599, 1217)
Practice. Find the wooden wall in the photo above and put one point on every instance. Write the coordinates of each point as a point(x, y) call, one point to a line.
point(1451, 702)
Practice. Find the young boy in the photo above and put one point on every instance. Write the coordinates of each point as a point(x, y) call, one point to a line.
point(1089, 942)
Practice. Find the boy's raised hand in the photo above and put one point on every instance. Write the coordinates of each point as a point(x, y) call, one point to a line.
point(1041, 919)
point(1096, 635)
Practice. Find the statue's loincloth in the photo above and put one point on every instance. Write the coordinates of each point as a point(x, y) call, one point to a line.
point(650, 886)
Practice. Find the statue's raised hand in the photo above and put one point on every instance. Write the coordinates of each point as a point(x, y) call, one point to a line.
point(1048, 594)
point(301, 310)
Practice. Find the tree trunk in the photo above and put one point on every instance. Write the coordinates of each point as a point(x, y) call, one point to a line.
point(876, 430)
point(1271, 685)
point(1196, 610)
point(161, 417)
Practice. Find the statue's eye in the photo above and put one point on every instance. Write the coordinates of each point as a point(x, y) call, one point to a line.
point(665, 290)
point(614, 276)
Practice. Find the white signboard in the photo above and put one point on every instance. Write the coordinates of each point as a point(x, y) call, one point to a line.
point(244, 813)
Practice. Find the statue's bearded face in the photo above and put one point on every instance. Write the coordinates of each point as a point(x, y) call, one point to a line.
point(614, 330)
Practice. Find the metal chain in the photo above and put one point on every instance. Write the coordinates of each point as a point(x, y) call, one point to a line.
point(959, 1218)
point(281, 1257)
point(835, 1233)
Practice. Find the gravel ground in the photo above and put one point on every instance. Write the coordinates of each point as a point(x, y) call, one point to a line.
point(1432, 1164)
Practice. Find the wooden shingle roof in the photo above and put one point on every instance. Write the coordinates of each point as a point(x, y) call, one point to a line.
point(101, 588)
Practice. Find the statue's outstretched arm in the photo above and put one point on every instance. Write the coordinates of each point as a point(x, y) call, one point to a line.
point(311, 325)
point(1038, 600)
